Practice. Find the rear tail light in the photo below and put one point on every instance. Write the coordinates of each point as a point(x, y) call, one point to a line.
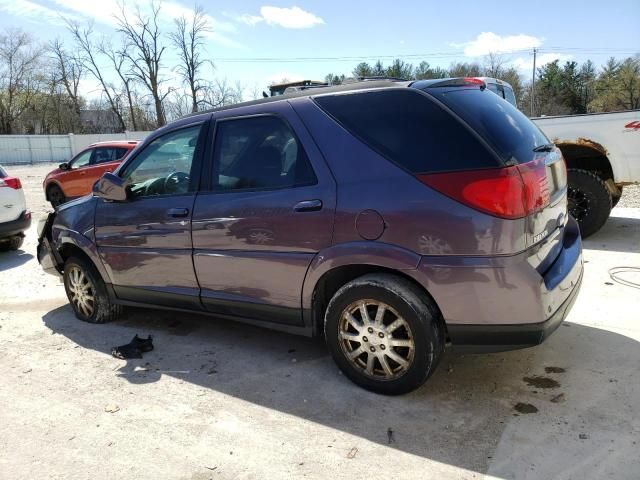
point(509, 192)
point(11, 182)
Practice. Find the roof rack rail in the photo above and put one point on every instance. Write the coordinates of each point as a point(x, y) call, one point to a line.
point(299, 88)
point(373, 78)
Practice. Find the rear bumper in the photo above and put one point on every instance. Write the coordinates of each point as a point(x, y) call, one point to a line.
point(503, 302)
point(16, 227)
point(497, 338)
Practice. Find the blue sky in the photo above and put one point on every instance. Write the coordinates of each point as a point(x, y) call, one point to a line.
point(307, 39)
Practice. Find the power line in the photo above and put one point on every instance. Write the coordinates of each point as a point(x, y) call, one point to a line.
point(432, 55)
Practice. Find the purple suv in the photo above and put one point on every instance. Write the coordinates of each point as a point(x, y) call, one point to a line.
point(392, 218)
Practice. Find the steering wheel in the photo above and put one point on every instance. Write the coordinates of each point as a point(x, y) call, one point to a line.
point(173, 180)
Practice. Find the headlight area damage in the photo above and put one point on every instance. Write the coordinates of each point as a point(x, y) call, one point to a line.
point(48, 257)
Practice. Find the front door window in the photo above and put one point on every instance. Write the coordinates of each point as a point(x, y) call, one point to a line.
point(164, 166)
point(82, 160)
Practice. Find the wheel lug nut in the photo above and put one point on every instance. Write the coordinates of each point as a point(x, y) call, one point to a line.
point(382, 347)
point(373, 349)
point(381, 335)
point(365, 339)
point(370, 330)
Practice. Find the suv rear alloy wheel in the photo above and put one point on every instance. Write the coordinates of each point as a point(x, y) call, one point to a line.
point(384, 333)
point(87, 292)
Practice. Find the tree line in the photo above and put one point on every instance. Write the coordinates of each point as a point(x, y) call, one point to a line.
point(567, 89)
point(40, 84)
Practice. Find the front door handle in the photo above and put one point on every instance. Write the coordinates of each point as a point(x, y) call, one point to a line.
point(308, 206)
point(178, 212)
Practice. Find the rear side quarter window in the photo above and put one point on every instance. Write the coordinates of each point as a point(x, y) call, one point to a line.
point(409, 129)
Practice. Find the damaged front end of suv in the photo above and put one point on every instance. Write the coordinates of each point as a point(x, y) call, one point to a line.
point(65, 231)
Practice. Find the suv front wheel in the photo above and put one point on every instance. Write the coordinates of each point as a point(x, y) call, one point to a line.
point(384, 333)
point(87, 292)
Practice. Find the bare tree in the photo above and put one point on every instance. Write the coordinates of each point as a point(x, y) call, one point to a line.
point(19, 76)
point(88, 55)
point(118, 61)
point(220, 93)
point(144, 52)
point(178, 104)
point(68, 71)
point(189, 40)
point(494, 65)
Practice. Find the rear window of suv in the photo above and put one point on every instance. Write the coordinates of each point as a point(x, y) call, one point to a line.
point(511, 134)
point(409, 129)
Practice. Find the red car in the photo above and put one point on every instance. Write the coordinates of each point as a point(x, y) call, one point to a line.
point(76, 178)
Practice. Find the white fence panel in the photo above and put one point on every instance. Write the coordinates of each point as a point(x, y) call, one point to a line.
point(29, 149)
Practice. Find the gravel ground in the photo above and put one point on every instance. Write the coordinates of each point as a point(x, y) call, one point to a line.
point(216, 399)
point(630, 197)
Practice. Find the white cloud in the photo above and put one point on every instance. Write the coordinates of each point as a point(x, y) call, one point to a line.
point(489, 42)
point(251, 20)
point(106, 11)
point(294, 17)
point(102, 11)
point(526, 63)
point(31, 10)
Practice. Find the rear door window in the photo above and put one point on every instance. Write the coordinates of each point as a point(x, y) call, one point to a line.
point(512, 135)
point(259, 153)
point(108, 154)
point(410, 130)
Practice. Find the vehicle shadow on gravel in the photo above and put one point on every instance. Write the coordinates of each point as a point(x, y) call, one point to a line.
point(468, 413)
point(13, 259)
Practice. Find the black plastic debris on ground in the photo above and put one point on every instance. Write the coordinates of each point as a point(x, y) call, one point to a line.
point(134, 349)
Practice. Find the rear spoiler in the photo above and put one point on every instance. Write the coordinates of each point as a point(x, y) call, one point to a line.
point(460, 82)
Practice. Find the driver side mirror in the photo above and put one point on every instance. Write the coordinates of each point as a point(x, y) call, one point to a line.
point(111, 187)
point(64, 166)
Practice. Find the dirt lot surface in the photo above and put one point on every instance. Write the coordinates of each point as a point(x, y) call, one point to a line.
point(222, 400)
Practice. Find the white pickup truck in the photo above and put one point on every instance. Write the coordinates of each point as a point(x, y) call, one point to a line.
point(602, 151)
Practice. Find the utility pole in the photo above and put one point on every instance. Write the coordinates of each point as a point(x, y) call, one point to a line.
point(533, 83)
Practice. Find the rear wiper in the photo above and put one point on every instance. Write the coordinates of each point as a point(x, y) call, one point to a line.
point(544, 148)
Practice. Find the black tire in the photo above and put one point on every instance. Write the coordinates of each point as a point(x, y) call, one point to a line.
point(589, 200)
point(102, 310)
point(403, 299)
point(11, 243)
point(16, 242)
point(55, 195)
point(616, 198)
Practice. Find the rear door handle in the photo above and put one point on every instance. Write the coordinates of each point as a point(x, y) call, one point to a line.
point(178, 212)
point(308, 206)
